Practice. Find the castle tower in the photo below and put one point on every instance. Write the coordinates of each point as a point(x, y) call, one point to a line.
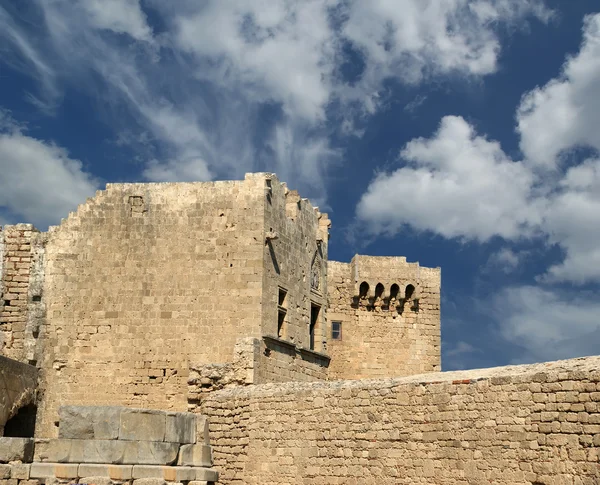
point(384, 318)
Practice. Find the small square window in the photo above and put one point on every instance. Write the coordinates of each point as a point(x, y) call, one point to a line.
point(336, 330)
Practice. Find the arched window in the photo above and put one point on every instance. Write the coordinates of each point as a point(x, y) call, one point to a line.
point(394, 290)
point(410, 289)
point(363, 292)
point(379, 289)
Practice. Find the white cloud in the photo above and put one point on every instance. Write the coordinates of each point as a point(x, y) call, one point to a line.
point(40, 182)
point(458, 184)
point(565, 113)
point(549, 324)
point(120, 16)
point(505, 260)
point(573, 221)
point(413, 39)
point(199, 83)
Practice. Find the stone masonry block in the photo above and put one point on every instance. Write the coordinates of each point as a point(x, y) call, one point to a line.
point(195, 455)
point(16, 449)
point(151, 453)
point(168, 473)
point(206, 474)
point(95, 480)
point(142, 425)
point(20, 471)
point(5, 472)
point(114, 472)
point(110, 452)
point(53, 470)
point(89, 422)
point(202, 429)
point(180, 427)
point(149, 481)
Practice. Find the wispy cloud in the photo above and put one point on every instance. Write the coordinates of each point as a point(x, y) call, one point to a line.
point(200, 81)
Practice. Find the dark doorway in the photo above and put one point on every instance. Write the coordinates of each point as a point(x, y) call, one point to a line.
point(22, 424)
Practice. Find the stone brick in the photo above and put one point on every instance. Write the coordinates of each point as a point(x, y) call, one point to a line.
point(180, 428)
point(16, 449)
point(168, 473)
point(20, 471)
point(89, 422)
point(195, 455)
point(142, 425)
point(114, 472)
point(53, 470)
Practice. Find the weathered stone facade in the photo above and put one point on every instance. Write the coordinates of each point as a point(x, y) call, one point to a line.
point(388, 317)
point(218, 299)
point(144, 281)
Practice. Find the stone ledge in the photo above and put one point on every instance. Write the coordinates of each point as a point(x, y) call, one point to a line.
point(118, 452)
point(323, 358)
point(136, 472)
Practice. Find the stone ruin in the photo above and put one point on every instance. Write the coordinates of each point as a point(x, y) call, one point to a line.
point(157, 314)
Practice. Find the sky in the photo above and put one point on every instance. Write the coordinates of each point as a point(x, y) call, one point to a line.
point(462, 134)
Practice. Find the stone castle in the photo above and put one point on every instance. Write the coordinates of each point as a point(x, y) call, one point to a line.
point(176, 331)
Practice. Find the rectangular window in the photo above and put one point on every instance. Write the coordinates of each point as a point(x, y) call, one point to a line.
point(281, 313)
point(314, 321)
point(336, 330)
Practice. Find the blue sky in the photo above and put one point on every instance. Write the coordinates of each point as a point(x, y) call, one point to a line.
point(461, 134)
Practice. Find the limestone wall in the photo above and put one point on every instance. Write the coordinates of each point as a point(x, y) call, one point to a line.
point(533, 424)
point(21, 278)
point(144, 279)
point(295, 264)
point(386, 331)
point(17, 388)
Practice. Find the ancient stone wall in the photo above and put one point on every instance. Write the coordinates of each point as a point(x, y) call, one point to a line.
point(532, 424)
point(144, 279)
point(21, 279)
point(389, 314)
point(295, 272)
point(255, 361)
point(18, 384)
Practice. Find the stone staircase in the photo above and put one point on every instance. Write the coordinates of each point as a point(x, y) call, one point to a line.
point(106, 445)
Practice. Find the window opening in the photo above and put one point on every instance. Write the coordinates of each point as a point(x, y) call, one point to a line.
point(281, 313)
point(336, 330)
point(363, 292)
point(314, 320)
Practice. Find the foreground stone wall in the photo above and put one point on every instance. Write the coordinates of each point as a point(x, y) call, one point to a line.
point(17, 388)
point(142, 280)
point(389, 311)
point(533, 424)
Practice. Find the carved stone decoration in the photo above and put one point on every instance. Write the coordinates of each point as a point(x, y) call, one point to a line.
point(315, 273)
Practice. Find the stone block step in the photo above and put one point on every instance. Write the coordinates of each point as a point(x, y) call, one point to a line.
point(120, 423)
point(106, 451)
point(81, 470)
point(16, 449)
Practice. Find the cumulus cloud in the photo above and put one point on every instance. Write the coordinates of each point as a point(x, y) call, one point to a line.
point(39, 182)
point(457, 184)
point(462, 185)
point(549, 324)
point(565, 113)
